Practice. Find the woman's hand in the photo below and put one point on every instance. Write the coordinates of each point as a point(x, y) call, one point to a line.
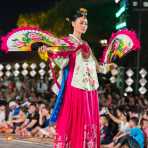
point(43, 49)
point(40, 112)
point(43, 52)
point(112, 66)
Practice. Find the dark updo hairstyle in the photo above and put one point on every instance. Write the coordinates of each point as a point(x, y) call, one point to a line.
point(79, 13)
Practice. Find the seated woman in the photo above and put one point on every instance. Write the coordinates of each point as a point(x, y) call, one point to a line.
point(122, 121)
point(30, 123)
point(44, 129)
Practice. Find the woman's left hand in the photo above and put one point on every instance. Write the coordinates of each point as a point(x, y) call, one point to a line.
point(112, 66)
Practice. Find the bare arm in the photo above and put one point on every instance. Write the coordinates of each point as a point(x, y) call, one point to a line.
point(20, 119)
point(41, 119)
point(31, 124)
point(116, 120)
point(102, 68)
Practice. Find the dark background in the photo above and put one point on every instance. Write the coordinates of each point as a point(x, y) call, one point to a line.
point(101, 24)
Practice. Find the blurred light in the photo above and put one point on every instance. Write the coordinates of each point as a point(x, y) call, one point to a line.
point(129, 72)
point(9, 138)
point(120, 11)
point(42, 72)
point(142, 90)
point(32, 73)
point(117, 1)
point(8, 73)
point(1, 73)
point(24, 72)
point(33, 66)
point(143, 73)
point(135, 3)
point(129, 89)
point(103, 42)
point(25, 65)
point(125, 94)
point(129, 81)
point(8, 66)
point(112, 79)
point(16, 73)
point(142, 82)
point(145, 4)
point(121, 25)
point(1, 67)
point(42, 65)
point(17, 66)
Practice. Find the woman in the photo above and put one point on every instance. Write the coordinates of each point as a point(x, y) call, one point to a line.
point(44, 129)
point(122, 121)
point(77, 125)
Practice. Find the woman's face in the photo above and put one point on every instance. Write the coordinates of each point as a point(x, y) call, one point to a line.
point(80, 25)
point(32, 109)
point(103, 121)
point(44, 111)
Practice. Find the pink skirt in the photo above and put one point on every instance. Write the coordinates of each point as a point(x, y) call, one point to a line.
point(78, 121)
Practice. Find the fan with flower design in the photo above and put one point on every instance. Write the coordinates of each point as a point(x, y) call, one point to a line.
point(23, 39)
point(120, 44)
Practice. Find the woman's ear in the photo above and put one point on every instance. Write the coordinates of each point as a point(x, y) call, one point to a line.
point(73, 23)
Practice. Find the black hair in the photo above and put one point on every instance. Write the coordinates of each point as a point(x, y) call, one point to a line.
point(79, 13)
point(124, 111)
point(35, 46)
point(135, 120)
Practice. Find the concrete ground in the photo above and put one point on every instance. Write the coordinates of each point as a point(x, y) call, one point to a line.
point(20, 144)
point(23, 143)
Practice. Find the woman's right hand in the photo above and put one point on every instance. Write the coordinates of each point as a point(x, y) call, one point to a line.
point(43, 52)
point(43, 49)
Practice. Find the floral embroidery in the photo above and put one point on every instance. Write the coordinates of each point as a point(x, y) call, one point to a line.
point(83, 76)
point(62, 142)
point(90, 138)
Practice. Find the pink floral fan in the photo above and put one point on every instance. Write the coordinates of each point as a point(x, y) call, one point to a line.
point(22, 39)
point(120, 44)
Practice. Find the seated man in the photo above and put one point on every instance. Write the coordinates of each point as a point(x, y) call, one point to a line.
point(30, 123)
point(135, 137)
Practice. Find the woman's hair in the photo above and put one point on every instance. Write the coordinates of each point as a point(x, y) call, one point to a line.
point(79, 13)
point(135, 120)
point(105, 117)
point(124, 111)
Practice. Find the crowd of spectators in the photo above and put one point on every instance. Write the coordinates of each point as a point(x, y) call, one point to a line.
point(26, 105)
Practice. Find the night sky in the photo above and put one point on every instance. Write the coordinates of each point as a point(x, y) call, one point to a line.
point(10, 10)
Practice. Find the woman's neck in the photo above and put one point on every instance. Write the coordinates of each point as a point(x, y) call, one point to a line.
point(77, 35)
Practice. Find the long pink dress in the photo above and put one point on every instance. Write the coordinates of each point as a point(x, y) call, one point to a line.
point(78, 122)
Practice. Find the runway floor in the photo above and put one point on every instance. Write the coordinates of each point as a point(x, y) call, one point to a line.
point(5, 142)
